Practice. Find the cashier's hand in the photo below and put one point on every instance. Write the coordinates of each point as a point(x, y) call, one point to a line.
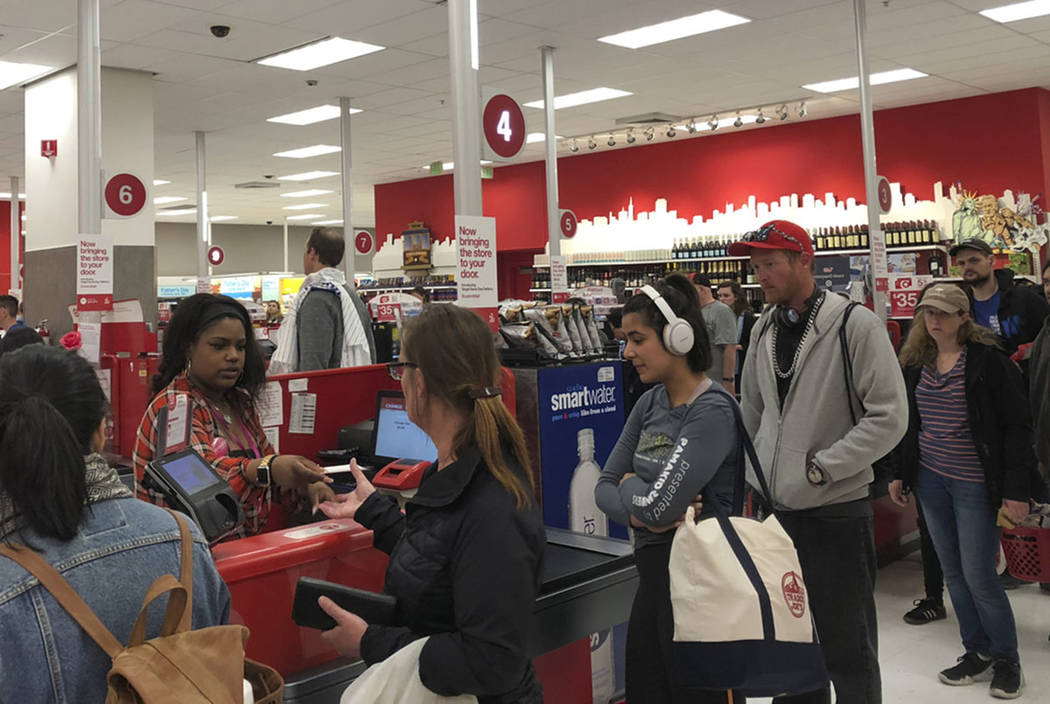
point(346, 505)
point(349, 629)
point(295, 472)
point(317, 494)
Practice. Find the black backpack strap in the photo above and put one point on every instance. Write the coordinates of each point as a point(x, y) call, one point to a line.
point(744, 443)
point(847, 363)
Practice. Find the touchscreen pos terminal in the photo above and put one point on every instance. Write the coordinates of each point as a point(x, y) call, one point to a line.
point(399, 446)
point(191, 486)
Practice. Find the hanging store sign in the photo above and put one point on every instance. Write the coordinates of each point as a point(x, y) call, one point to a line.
point(216, 256)
point(885, 195)
point(125, 196)
point(94, 273)
point(503, 128)
point(559, 280)
point(476, 264)
point(568, 223)
point(364, 243)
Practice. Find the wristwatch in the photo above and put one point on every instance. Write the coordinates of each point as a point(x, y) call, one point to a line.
point(815, 475)
point(263, 475)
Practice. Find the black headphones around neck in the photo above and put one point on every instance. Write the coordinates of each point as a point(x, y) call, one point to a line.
point(786, 317)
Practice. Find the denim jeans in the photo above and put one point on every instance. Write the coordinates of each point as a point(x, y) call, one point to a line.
point(932, 576)
point(837, 555)
point(961, 521)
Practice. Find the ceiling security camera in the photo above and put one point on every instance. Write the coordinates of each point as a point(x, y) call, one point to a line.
point(220, 30)
point(269, 222)
point(311, 82)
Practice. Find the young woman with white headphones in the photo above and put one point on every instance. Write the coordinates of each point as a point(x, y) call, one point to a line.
point(680, 439)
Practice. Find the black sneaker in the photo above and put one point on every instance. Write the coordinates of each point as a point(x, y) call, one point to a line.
point(925, 610)
point(1010, 582)
point(1008, 680)
point(971, 668)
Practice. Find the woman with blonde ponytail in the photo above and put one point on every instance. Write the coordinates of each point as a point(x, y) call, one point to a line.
point(465, 556)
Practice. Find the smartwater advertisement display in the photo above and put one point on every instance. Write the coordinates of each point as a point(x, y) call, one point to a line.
point(581, 416)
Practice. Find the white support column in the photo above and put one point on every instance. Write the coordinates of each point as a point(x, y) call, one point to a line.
point(203, 234)
point(551, 151)
point(466, 104)
point(348, 195)
point(16, 236)
point(89, 119)
point(876, 239)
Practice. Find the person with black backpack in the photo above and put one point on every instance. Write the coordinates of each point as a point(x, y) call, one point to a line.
point(61, 501)
point(823, 399)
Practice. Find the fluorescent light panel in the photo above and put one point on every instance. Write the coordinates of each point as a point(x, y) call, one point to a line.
point(220, 218)
point(305, 206)
point(583, 97)
point(680, 28)
point(534, 137)
point(307, 152)
point(178, 211)
point(321, 53)
point(310, 192)
point(308, 216)
point(311, 115)
point(160, 182)
point(1018, 11)
point(308, 176)
point(877, 79)
point(329, 222)
point(12, 73)
point(449, 165)
point(164, 200)
point(7, 196)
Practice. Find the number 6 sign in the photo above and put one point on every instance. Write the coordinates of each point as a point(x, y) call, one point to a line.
point(125, 196)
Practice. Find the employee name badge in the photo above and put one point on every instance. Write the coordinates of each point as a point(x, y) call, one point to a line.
point(177, 434)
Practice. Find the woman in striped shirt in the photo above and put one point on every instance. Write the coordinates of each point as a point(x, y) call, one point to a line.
point(968, 449)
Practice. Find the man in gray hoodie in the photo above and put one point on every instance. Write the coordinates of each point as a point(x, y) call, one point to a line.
point(822, 406)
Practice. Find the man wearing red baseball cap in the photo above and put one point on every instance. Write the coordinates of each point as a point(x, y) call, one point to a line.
point(823, 398)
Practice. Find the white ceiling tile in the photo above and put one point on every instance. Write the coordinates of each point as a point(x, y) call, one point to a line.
point(347, 17)
point(274, 11)
point(133, 19)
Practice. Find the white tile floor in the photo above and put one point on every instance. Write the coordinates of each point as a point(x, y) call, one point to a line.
point(911, 656)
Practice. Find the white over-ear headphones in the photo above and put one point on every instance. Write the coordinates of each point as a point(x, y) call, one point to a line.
point(678, 333)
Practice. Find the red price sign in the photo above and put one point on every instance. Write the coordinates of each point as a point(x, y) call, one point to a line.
point(388, 312)
point(363, 242)
point(904, 295)
point(504, 126)
point(125, 195)
point(568, 223)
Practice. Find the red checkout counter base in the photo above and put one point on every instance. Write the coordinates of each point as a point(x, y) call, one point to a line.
point(588, 585)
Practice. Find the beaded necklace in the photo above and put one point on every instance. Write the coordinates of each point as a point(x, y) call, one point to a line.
point(801, 343)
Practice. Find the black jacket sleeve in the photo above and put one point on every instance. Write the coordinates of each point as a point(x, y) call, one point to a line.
point(380, 514)
point(1011, 412)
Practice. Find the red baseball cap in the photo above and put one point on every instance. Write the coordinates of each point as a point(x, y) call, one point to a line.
point(775, 234)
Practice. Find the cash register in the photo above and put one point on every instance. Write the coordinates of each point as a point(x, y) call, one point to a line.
point(399, 447)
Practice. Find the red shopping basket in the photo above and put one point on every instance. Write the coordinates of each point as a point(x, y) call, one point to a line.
point(1028, 553)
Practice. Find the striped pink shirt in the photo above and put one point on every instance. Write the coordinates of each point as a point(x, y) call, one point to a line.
point(945, 441)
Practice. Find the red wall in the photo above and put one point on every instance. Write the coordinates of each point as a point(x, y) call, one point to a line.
point(5, 244)
point(989, 143)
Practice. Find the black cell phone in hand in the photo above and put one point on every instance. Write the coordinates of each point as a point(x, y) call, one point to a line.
point(374, 608)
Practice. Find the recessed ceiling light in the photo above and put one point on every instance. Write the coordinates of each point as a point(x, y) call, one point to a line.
point(308, 216)
point(311, 115)
point(449, 165)
point(305, 206)
point(329, 222)
point(877, 79)
point(308, 176)
point(675, 29)
point(583, 97)
point(534, 137)
point(160, 182)
point(220, 218)
point(164, 200)
point(306, 194)
point(1018, 11)
point(320, 53)
point(178, 211)
point(12, 73)
point(306, 152)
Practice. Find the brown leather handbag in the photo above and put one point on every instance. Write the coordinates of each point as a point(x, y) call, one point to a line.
point(200, 666)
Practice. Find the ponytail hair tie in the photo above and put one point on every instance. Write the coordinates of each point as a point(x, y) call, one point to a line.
point(485, 392)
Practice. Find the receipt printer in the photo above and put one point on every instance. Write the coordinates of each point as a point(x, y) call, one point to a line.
point(191, 486)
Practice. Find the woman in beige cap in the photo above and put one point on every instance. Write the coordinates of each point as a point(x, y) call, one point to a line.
point(967, 451)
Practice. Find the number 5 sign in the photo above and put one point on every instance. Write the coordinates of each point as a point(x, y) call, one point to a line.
point(125, 196)
point(503, 128)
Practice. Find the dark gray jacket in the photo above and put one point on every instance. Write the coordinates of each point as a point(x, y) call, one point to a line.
point(320, 329)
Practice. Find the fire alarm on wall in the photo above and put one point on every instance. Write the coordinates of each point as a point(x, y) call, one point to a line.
point(49, 148)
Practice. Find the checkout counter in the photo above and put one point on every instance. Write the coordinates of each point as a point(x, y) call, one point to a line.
point(588, 583)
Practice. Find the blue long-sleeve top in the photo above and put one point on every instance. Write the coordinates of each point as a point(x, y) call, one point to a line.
point(674, 453)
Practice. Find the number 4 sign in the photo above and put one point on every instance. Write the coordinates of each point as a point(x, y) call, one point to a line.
point(503, 128)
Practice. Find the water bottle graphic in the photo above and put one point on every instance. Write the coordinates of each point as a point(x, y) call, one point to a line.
point(585, 517)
